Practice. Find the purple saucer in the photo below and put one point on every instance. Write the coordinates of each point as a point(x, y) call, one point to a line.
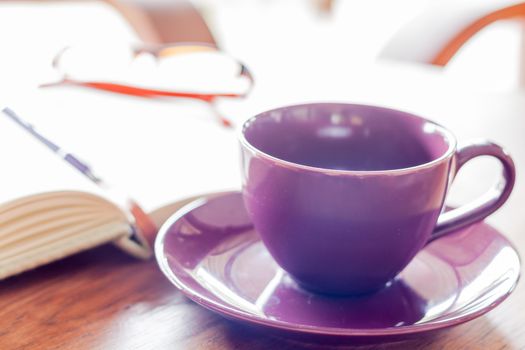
point(211, 252)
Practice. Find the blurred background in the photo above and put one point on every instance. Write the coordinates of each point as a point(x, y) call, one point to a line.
point(159, 149)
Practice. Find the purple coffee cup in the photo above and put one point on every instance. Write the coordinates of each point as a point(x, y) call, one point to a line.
point(345, 195)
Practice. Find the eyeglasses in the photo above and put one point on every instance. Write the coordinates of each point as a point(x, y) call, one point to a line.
point(191, 71)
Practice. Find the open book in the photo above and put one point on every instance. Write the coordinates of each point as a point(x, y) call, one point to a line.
point(52, 205)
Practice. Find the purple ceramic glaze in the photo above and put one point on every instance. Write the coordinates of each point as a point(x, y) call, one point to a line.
point(344, 196)
point(211, 252)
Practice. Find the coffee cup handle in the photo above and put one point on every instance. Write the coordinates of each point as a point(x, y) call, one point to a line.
point(486, 204)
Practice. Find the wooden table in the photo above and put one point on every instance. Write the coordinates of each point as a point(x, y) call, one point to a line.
point(102, 299)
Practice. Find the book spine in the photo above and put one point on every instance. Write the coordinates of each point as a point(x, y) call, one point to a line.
point(142, 233)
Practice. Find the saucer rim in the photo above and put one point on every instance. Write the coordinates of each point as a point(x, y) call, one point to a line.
point(238, 314)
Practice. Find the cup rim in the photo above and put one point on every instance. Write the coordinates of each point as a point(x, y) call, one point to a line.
point(448, 135)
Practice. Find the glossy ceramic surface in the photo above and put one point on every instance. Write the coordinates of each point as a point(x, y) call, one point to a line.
point(211, 252)
point(344, 196)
